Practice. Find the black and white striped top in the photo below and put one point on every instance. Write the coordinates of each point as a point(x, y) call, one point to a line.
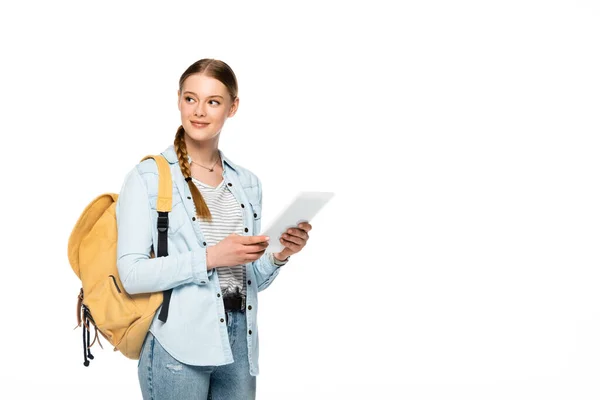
point(227, 218)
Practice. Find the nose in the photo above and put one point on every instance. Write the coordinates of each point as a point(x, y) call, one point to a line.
point(199, 111)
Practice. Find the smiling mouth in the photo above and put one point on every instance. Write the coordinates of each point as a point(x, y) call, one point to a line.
point(199, 124)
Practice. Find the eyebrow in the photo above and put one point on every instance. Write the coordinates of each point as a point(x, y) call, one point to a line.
point(214, 95)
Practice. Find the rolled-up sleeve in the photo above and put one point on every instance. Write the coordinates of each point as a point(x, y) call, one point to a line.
point(265, 268)
point(139, 273)
point(265, 271)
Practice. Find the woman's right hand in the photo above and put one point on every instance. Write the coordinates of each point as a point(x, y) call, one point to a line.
point(236, 250)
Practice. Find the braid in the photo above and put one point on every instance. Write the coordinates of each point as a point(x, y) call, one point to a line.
point(202, 210)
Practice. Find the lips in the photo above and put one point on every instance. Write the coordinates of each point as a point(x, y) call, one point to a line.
point(199, 124)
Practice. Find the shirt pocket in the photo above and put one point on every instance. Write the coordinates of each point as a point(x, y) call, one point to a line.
point(256, 211)
point(177, 215)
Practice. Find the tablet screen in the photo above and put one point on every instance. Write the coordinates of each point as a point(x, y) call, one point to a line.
point(302, 208)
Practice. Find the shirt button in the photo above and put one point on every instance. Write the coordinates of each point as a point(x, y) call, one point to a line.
point(250, 332)
point(229, 184)
point(255, 215)
point(203, 243)
point(243, 206)
point(193, 218)
point(222, 320)
point(189, 198)
point(218, 294)
point(249, 282)
point(202, 282)
point(249, 307)
point(245, 229)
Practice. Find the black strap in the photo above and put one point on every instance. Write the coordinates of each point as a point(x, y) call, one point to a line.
point(86, 362)
point(86, 317)
point(163, 226)
point(162, 250)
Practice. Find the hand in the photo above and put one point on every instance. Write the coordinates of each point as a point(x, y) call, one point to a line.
point(236, 250)
point(294, 240)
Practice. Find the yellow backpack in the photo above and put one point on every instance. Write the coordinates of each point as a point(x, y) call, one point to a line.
point(121, 318)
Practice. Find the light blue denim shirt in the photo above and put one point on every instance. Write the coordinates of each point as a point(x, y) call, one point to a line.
point(195, 332)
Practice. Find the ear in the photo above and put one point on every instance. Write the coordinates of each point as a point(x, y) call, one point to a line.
point(178, 104)
point(234, 107)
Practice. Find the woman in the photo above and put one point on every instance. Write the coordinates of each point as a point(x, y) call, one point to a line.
point(215, 264)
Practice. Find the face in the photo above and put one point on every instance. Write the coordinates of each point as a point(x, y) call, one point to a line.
point(205, 104)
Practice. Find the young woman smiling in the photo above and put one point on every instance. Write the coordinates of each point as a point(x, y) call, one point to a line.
point(216, 262)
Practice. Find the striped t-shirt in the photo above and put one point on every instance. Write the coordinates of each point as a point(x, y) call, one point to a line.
point(227, 218)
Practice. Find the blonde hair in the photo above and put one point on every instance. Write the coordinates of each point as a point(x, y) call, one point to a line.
point(219, 70)
point(216, 69)
point(202, 210)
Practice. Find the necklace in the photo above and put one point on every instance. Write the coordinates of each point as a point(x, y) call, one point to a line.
point(211, 169)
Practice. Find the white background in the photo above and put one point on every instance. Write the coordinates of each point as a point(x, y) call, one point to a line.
point(459, 258)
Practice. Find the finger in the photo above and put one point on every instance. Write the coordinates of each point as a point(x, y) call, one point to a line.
point(257, 255)
point(305, 226)
point(290, 245)
point(250, 240)
point(294, 239)
point(254, 256)
point(298, 232)
point(256, 248)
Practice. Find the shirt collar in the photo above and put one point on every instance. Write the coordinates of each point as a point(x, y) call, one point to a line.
point(171, 157)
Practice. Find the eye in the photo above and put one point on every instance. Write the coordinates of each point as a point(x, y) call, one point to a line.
point(214, 102)
point(189, 99)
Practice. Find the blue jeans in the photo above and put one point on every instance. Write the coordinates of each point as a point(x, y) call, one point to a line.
point(164, 378)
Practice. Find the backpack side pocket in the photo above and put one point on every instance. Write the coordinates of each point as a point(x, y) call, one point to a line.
point(112, 309)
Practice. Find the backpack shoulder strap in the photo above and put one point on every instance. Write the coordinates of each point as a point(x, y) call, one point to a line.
point(165, 184)
point(164, 203)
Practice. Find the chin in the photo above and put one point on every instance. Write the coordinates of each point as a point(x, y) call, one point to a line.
point(200, 136)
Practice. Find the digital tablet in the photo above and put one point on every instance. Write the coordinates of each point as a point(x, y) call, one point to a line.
point(302, 208)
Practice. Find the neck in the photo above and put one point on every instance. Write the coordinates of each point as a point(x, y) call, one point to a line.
point(203, 153)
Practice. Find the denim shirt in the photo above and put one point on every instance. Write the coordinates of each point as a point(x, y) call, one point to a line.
point(195, 332)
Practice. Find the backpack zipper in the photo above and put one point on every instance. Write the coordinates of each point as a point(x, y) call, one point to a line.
point(115, 281)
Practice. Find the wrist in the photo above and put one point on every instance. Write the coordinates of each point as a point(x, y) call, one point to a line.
point(210, 263)
point(278, 259)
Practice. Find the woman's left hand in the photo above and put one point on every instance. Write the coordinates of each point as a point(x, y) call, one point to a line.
point(294, 240)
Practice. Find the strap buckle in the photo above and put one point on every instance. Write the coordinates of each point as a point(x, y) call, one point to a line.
point(162, 222)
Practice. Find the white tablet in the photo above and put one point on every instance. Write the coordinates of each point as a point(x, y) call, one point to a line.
point(302, 208)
